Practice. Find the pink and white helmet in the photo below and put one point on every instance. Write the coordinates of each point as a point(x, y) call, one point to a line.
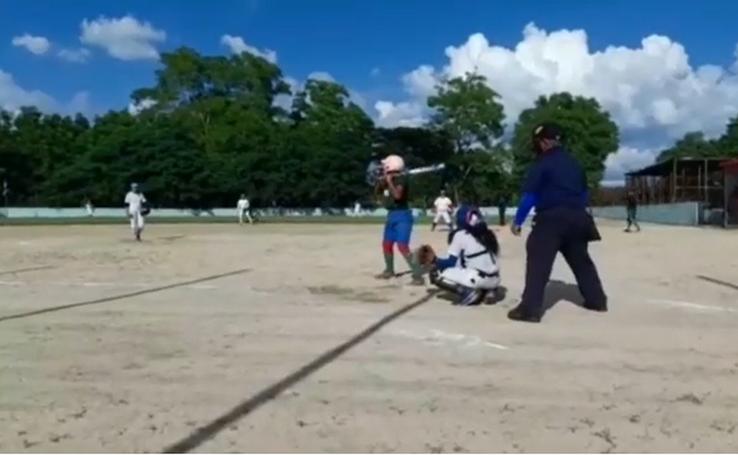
point(393, 163)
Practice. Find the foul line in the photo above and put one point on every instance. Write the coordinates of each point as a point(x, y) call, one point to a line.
point(28, 269)
point(121, 296)
point(694, 306)
point(716, 281)
point(246, 407)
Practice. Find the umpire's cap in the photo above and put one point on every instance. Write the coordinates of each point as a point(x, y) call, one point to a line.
point(548, 130)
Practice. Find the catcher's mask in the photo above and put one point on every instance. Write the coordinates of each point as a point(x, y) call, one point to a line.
point(468, 216)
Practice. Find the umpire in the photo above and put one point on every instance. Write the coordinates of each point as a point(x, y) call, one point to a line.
point(556, 186)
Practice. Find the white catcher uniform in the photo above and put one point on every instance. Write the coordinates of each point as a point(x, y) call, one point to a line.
point(476, 267)
point(242, 207)
point(135, 203)
point(443, 206)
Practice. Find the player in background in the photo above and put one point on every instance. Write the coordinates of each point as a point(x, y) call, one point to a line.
point(632, 211)
point(89, 208)
point(135, 201)
point(443, 206)
point(244, 209)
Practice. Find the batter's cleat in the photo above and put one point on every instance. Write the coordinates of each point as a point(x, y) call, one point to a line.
point(417, 281)
point(386, 275)
point(471, 297)
point(519, 314)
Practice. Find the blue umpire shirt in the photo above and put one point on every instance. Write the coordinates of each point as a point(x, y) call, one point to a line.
point(555, 180)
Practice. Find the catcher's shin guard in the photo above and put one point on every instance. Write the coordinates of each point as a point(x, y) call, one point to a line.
point(446, 285)
point(471, 296)
point(466, 296)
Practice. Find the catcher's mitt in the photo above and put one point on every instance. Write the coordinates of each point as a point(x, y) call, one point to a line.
point(426, 257)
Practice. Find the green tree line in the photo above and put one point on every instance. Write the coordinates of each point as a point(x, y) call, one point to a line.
point(695, 145)
point(213, 127)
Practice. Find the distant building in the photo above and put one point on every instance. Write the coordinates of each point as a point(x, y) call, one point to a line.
point(709, 181)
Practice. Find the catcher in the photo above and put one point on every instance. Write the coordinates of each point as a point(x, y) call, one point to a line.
point(470, 270)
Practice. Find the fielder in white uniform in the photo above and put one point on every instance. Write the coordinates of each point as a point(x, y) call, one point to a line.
point(243, 207)
point(471, 269)
point(135, 201)
point(443, 207)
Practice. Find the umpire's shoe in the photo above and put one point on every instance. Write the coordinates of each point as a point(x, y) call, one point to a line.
point(519, 314)
point(599, 307)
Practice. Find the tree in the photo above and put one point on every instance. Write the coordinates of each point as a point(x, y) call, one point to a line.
point(330, 145)
point(727, 145)
point(589, 133)
point(692, 145)
point(468, 111)
point(482, 178)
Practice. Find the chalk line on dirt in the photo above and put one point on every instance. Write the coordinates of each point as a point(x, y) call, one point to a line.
point(246, 407)
point(693, 306)
point(27, 269)
point(94, 284)
point(122, 296)
point(440, 337)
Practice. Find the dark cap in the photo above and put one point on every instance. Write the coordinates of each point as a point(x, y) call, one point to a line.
point(548, 131)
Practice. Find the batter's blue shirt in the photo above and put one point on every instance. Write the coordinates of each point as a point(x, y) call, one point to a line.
point(556, 180)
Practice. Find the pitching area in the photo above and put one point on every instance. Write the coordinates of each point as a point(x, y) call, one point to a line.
point(214, 338)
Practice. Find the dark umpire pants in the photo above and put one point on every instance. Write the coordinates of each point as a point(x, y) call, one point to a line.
point(566, 231)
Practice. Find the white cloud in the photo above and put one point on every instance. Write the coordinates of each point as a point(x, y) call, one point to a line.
point(13, 96)
point(80, 103)
point(375, 72)
point(237, 46)
point(652, 92)
point(627, 159)
point(421, 82)
point(407, 114)
point(74, 55)
point(136, 108)
point(125, 38)
point(37, 45)
point(321, 76)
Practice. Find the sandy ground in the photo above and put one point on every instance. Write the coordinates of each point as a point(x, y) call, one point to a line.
point(188, 364)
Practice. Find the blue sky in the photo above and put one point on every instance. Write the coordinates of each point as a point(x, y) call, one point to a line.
point(345, 38)
point(370, 45)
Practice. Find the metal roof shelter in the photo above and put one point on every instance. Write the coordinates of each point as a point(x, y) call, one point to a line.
point(679, 180)
point(730, 166)
point(730, 170)
point(711, 181)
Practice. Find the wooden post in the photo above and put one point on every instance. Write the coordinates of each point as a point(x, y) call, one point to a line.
point(707, 184)
point(725, 198)
point(673, 179)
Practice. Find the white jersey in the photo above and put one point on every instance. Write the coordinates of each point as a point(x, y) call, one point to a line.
point(243, 204)
point(443, 204)
point(471, 253)
point(135, 201)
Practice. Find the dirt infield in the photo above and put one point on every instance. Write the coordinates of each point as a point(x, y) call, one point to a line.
point(219, 338)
